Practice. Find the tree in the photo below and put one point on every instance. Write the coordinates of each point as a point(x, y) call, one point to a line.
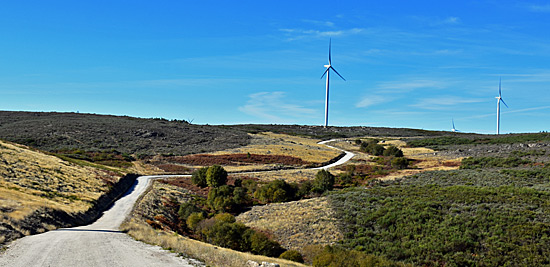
point(324, 181)
point(216, 176)
point(199, 177)
point(393, 151)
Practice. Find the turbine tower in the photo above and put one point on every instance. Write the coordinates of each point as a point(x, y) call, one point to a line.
point(327, 72)
point(499, 99)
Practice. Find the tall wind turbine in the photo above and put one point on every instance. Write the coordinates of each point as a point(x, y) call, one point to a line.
point(499, 99)
point(327, 72)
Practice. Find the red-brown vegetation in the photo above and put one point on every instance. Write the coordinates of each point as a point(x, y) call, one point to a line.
point(236, 159)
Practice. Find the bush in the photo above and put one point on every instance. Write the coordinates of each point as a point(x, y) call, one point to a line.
point(305, 189)
point(324, 181)
point(186, 209)
point(336, 257)
point(220, 199)
point(276, 191)
point(393, 151)
point(292, 255)
point(492, 162)
point(199, 177)
point(216, 176)
point(400, 163)
point(193, 220)
point(262, 245)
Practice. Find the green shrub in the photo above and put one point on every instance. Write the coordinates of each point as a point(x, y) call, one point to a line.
point(193, 220)
point(216, 176)
point(220, 199)
point(492, 162)
point(292, 255)
point(324, 181)
point(304, 189)
point(393, 151)
point(400, 163)
point(199, 177)
point(186, 209)
point(336, 257)
point(262, 245)
point(276, 191)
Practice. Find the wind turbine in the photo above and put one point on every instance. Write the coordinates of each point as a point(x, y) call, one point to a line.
point(454, 129)
point(327, 72)
point(499, 99)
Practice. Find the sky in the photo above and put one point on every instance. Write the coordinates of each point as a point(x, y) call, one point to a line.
point(413, 64)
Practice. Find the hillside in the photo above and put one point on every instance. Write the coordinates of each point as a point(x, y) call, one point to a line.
point(39, 192)
point(51, 131)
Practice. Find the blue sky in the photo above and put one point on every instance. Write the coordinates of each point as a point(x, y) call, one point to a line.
point(415, 64)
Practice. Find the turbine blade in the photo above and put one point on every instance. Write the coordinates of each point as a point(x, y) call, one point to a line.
point(329, 45)
point(337, 73)
point(502, 100)
point(453, 123)
point(499, 90)
point(324, 73)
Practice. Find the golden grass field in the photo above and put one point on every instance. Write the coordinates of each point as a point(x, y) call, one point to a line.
point(281, 144)
point(30, 180)
point(296, 224)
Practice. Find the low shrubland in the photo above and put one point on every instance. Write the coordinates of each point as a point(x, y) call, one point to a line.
point(452, 218)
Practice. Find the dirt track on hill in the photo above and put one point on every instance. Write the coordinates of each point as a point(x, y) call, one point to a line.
point(98, 244)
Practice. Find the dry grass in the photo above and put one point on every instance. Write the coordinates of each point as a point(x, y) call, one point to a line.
point(296, 224)
point(281, 144)
point(212, 255)
point(289, 176)
point(30, 180)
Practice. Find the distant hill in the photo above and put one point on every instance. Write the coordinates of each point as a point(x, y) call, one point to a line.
point(52, 131)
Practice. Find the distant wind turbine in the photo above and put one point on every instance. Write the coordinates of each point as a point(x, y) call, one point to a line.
point(327, 72)
point(454, 129)
point(499, 99)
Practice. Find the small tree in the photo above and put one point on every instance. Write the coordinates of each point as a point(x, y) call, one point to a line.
point(193, 220)
point(400, 163)
point(199, 177)
point(393, 151)
point(216, 176)
point(292, 255)
point(324, 181)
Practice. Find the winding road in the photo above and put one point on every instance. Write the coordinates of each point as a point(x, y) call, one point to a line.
point(100, 243)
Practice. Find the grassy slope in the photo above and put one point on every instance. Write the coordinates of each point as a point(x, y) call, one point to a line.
point(32, 182)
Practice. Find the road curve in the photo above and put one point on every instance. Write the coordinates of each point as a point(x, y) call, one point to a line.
point(97, 244)
point(341, 161)
point(101, 243)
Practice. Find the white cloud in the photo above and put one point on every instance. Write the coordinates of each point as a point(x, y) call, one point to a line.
point(320, 23)
point(451, 20)
point(445, 102)
point(273, 107)
point(406, 86)
point(540, 8)
point(371, 100)
point(300, 33)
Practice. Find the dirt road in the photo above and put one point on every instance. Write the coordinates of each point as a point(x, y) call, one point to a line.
point(98, 244)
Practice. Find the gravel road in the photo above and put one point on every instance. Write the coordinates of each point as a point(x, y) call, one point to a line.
point(98, 244)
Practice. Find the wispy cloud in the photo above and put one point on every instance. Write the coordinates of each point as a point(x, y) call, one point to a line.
point(320, 23)
point(444, 102)
point(367, 101)
point(539, 8)
point(451, 20)
point(406, 86)
point(273, 107)
point(296, 34)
